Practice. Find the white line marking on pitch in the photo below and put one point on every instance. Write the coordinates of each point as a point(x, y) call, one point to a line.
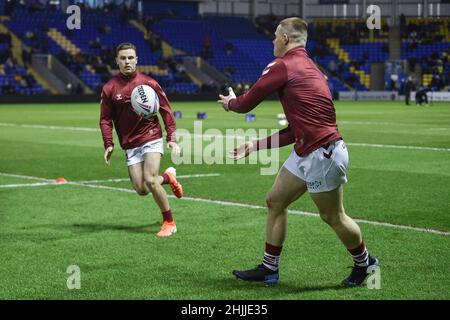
point(368, 145)
point(37, 184)
point(128, 179)
point(41, 126)
point(53, 182)
point(242, 205)
point(296, 212)
point(394, 146)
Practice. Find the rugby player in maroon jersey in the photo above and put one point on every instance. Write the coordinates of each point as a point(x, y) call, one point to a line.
point(319, 160)
point(140, 138)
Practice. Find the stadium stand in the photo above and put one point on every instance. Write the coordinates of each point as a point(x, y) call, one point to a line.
point(354, 48)
point(426, 43)
point(89, 54)
point(13, 78)
point(234, 46)
point(208, 38)
point(239, 48)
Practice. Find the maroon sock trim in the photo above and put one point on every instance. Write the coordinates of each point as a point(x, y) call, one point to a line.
point(167, 216)
point(358, 250)
point(273, 250)
point(165, 177)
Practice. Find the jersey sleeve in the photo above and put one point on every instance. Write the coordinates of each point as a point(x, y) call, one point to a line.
point(280, 139)
point(167, 114)
point(273, 77)
point(106, 123)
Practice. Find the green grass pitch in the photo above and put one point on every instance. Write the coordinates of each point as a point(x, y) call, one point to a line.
point(399, 174)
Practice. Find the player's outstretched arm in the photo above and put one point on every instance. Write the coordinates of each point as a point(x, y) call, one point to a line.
point(273, 77)
point(107, 155)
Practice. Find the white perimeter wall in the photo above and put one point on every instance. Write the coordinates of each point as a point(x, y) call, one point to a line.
point(312, 8)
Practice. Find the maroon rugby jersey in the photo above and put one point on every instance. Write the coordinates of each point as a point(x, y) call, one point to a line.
point(306, 100)
point(132, 129)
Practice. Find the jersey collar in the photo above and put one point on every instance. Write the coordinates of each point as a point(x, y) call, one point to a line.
point(130, 77)
point(295, 49)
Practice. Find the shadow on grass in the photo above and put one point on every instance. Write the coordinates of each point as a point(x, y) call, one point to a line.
point(55, 232)
point(99, 227)
point(282, 288)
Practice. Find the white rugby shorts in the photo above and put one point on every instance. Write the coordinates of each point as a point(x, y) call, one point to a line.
point(136, 155)
point(323, 169)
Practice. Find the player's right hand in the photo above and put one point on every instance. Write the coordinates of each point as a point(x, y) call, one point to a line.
point(242, 151)
point(224, 100)
point(107, 155)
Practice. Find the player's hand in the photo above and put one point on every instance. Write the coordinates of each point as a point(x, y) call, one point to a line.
point(242, 151)
point(107, 155)
point(223, 100)
point(174, 147)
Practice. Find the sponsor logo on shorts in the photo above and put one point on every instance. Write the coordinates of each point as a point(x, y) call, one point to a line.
point(313, 185)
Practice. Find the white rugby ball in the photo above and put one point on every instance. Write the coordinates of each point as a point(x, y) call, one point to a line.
point(145, 101)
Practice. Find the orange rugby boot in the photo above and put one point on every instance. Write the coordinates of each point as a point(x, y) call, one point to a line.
point(167, 229)
point(176, 187)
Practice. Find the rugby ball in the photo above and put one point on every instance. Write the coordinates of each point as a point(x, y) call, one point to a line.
point(145, 101)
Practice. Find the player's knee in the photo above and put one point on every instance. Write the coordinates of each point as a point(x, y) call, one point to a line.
point(269, 200)
point(141, 190)
point(151, 182)
point(273, 202)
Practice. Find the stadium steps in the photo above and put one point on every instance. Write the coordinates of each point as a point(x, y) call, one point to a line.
point(372, 37)
point(16, 44)
point(68, 46)
point(63, 42)
point(41, 80)
point(426, 79)
point(395, 43)
point(194, 79)
point(342, 55)
point(195, 73)
point(443, 29)
point(364, 78)
point(167, 51)
point(90, 69)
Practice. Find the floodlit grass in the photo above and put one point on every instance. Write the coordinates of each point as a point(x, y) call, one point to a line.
point(109, 233)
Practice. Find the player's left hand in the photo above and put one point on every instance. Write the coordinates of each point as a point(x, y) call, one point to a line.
point(174, 147)
point(107, 155)
point(223, 100)
point(242, 151)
